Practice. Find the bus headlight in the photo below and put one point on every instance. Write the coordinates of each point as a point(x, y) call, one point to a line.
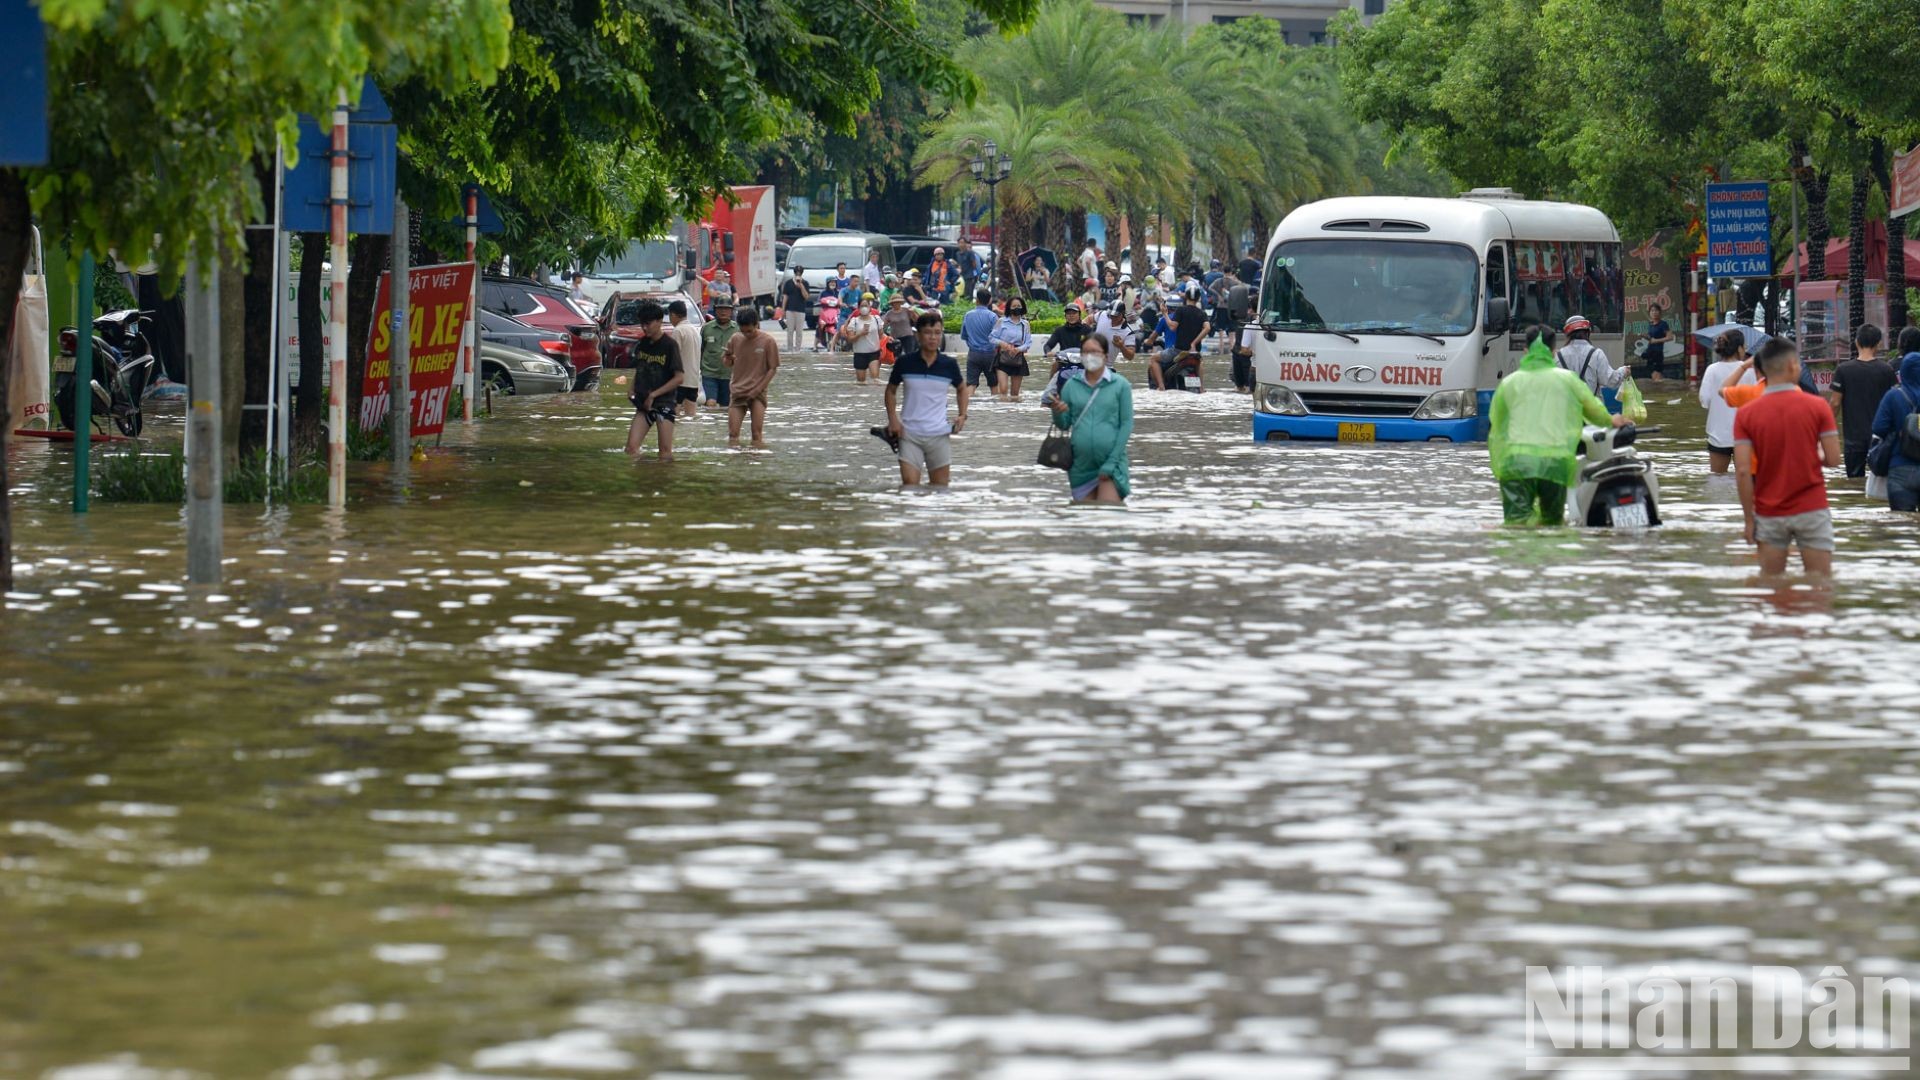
point(1271, 398)
point(1449, 405)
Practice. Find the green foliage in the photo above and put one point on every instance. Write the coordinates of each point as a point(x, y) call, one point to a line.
point(160, 108)
point(1043, 316)
point(614, 116)
point(108, 292)
point(1630, 105)
point(1101, 115)
point(135, 477)
point(364, 445)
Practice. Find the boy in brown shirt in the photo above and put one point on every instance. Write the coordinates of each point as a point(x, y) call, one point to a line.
point(754, 359)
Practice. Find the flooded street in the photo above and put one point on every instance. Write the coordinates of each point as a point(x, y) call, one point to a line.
point(561, 765)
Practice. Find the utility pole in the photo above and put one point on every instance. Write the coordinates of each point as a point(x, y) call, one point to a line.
point(203, 423)
point(337, 347)
point(400, 355)
point(469, 346)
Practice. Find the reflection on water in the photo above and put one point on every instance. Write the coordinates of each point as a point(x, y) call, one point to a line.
point(751, 766)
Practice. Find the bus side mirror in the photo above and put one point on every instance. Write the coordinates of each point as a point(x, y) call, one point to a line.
point(1240, 301)
point(1499, 315)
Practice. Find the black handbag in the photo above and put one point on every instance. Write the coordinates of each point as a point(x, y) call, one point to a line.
point(1056, 450)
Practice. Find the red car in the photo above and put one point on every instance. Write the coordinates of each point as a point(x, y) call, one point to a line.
point(620, 323)
point(548, 308)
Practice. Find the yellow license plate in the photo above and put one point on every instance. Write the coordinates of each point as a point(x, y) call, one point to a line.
point(1356, 432)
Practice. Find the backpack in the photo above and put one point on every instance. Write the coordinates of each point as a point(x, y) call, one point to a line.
point(1909, 431)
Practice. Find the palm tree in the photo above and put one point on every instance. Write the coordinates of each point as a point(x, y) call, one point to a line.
point(1857, 252)
point(1053, 166)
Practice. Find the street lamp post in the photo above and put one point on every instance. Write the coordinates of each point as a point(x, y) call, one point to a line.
point(990, 168)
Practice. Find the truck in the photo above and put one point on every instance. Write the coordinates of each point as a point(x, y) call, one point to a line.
point(735, 235)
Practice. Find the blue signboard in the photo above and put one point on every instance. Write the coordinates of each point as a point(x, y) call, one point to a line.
point(1739, 230)
point(485, 219)
point(23, 84)
point(370, 179)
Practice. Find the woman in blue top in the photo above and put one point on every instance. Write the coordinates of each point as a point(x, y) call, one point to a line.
point(1012, 337)
point(1097, 406)
point(1903, 479)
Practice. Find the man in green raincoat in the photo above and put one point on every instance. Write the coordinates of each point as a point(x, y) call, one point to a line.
point(1533, 431)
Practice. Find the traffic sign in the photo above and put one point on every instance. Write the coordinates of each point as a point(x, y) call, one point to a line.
point(370, 179)
point(23, 84)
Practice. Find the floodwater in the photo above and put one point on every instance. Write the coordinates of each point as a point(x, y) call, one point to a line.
point(559, 765)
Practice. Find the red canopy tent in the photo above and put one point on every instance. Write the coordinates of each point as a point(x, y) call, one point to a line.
point(1838, 250)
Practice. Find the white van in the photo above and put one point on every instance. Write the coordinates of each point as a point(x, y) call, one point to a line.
point(1393, 319)
point(817, 253)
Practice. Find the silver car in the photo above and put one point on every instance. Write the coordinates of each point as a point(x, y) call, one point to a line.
point(517, 371)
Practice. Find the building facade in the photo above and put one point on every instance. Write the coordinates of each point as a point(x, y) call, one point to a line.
point(1304, 22)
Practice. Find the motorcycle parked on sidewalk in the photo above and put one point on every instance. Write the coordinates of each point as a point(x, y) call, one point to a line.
point(123, 368)
point(1617, 488)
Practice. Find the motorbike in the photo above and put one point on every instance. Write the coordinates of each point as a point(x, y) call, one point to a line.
point(123, 368)
point(1617, 488)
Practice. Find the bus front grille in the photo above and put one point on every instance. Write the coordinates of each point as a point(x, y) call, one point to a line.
point(1357, 405)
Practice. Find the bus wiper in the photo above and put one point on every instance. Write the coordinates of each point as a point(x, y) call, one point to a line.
point(1407, 331)
point(1307, 330)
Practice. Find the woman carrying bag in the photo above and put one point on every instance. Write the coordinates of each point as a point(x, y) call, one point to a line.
point(1095, 409)
point(1897, 425)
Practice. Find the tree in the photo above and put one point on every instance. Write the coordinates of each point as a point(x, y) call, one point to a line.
point(1056, 169)
point(159, 108)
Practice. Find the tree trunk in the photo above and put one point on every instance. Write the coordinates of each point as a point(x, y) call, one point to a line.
point(1136, 244)
point(257, 331)
point(310, 404)
point(1896, 245)
point(1183, 238)
point(1217, 236)
point(1813, 184)
point(367, 256)
point(1015, 234)
point(1896, 274)
point(1857, 252)
point(233, 357)
point(16, 242)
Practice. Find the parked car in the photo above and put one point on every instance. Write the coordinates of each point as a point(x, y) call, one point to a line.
point(548, 308)
point(916, 252)
point(817, 254)
point(780, 249)
point(620, 323)
point(517, 371)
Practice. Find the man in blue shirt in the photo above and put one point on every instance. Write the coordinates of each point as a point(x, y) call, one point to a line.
point(976, 329)
point(917, 405)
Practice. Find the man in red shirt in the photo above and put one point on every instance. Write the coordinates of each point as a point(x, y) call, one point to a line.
point(1780, 443)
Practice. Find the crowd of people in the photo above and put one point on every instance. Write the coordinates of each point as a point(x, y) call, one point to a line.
point(1767, 422)
point(731, 363)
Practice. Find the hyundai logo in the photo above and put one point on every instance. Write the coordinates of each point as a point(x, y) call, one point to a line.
point(1360, 374)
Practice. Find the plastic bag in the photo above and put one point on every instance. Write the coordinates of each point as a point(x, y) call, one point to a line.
point(26, 355)
point(1632, 405)
point(1876, 485)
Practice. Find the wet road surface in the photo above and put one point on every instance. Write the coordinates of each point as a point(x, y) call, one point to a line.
point(557, 764)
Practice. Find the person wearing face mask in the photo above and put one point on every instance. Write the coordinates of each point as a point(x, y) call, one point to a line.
point(1012, 337)
point(1096, 406)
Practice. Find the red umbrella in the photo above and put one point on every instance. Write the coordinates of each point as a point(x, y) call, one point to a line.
point(1839, 249)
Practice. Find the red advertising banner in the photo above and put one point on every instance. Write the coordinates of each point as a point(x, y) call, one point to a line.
point(436, 323)
point(1906, 183)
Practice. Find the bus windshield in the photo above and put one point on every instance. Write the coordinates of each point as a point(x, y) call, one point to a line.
point(1364, 286)
point(645, 260)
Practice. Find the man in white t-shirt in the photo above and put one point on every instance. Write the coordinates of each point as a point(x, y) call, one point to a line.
point(1118, 329)
point(862, 334)
point(686, 335)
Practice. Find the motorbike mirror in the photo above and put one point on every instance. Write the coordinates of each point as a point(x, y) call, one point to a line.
point(1499, 315)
